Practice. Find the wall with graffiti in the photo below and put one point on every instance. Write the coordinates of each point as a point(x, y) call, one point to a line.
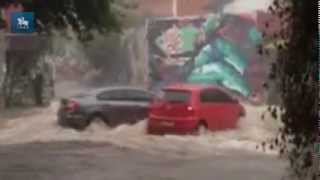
point(216, 49)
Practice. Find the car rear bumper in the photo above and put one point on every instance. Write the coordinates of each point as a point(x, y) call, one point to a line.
point(166, 125)
point(77, 121)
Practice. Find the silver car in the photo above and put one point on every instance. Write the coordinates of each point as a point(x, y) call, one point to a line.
point(112, 105)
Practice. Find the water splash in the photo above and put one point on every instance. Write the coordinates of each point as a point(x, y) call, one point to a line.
point(42, 127)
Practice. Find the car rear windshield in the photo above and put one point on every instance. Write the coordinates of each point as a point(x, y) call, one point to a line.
point(81, 95)
point(177, 96)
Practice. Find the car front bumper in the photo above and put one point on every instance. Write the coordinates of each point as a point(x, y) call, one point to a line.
point(77, 121)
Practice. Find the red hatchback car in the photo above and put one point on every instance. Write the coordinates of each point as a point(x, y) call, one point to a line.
point(186, 108)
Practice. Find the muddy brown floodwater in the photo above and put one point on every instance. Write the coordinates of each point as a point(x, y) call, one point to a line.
point(34, 147)
point(101, 161)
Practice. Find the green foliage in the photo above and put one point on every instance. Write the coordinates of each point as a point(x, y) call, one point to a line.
point(297, 71)
point(126, 13)
point(82, 15)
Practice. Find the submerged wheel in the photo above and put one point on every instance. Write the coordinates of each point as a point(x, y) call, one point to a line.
point(202, 128)
point(100, 120)
point(97, 119)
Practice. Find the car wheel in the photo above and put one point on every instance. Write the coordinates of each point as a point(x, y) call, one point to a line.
point(100, 121)
point(202, 129)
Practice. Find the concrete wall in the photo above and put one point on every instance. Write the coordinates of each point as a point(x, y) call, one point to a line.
point(167, 8)
point(156, 8)
point(24, 67)
point(193, 7)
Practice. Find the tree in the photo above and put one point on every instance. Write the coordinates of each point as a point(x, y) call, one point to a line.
point(297, 69)
point(82, 15)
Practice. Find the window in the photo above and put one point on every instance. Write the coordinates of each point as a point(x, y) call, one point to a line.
point(125, 95)
point(177, 96)
point(208, 96)
point(112, 95)
point(139, 95)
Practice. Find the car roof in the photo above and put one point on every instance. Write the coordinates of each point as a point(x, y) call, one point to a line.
point(190, 87)
point(111, 88)
point(92, 92)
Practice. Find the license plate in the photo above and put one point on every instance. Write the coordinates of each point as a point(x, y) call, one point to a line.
point(167, 124)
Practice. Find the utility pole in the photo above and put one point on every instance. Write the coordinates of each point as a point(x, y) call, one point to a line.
point(175, 8)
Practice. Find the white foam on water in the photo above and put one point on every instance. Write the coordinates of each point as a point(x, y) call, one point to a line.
point(43, 127)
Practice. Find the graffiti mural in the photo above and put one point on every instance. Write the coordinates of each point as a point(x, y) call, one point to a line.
point(217, 49)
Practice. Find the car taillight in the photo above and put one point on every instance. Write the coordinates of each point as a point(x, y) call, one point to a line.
point(72, 106)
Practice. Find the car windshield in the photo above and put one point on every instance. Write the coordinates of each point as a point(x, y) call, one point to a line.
point(176, 96)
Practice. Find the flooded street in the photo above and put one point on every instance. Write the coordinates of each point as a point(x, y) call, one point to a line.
point(101, 161)
point(190, 66)
point(40, 125)
point(34, 147)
